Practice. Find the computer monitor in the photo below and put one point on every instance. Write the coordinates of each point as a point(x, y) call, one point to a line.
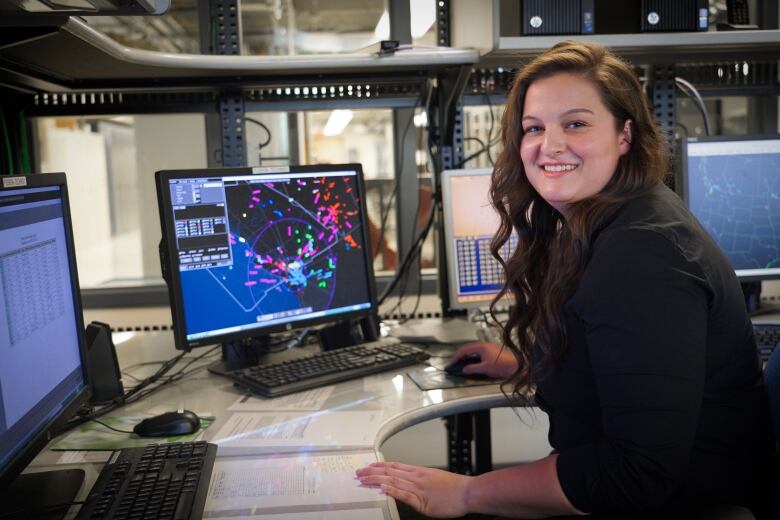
point(732, 185)
point(250, 251)
point(474, 276)
point(43, 376)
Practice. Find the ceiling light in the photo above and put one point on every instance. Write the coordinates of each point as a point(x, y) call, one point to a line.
point(338, 120)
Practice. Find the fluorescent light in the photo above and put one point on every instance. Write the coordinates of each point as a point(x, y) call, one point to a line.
point(423, 16)
point(338, 120)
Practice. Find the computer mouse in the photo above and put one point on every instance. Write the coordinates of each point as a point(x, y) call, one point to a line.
point(456, 368)
point(180, 422)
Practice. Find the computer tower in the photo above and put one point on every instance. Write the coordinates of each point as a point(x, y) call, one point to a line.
point(558, 17)
point(674, 15)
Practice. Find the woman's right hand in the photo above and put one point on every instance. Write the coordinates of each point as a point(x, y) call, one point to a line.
point(494, 361)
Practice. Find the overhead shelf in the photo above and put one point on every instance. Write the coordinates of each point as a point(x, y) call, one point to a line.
point(654, 47)
point(69, 55)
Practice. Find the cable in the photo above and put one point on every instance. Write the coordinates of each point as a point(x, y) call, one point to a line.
point(490, 142)
point(261, 125)
point(111, 427)
point(130, 396)
point(383, 215)
point(25, 150)
point(412, 253)
point(692, 93)
point(7, 140)
point(415, 251)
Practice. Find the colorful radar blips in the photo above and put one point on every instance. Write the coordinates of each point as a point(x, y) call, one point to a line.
point(291, 235)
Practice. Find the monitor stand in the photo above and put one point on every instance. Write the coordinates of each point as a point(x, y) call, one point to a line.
point(752, 292)
point(34, 495)
point(237, 355)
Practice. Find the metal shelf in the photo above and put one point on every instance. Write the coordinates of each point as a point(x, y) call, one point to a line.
point(653, 47)
point(67, 55)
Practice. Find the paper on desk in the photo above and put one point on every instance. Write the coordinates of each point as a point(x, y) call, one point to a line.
point(95, 436)
point(280, 432)
point(295, 486)
point(313, 400)
point(84, 457)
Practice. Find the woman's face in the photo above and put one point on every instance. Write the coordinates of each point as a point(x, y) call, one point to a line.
point(570, 147)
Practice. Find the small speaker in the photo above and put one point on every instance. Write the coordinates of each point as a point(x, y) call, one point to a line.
point(674, 15)
point(103, 368)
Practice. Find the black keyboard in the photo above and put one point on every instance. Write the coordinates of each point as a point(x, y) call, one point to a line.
point(325, 368)
point(767, 338)
point(160, 481)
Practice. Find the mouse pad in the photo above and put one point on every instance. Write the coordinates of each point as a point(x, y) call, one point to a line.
point(95, 436)
point(435, 378)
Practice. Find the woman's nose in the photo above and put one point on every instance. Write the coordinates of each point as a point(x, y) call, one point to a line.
point(554, 143)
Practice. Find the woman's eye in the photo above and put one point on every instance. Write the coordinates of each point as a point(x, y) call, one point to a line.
point(576, 124)
point(532, 129)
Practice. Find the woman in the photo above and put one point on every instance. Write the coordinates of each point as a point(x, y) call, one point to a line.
point(628, 321)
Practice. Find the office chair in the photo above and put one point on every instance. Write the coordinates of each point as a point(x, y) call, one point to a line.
point(772, 378)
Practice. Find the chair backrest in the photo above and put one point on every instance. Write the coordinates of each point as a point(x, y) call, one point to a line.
point(772, 378)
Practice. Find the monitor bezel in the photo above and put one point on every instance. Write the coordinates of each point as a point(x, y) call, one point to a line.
point(49, 430)
point(452, 280)
point(172, 269)
point(684, 185)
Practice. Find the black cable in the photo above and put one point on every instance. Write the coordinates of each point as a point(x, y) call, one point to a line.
point(411, 254)
point(101, 423)
point(419, 246)
point(490, 129)
point(260, 146)
point(403, 269)
point(396, 185)
point(126, 398)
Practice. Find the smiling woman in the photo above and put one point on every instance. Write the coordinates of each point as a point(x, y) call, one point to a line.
point(628, 322)
point(570, 146)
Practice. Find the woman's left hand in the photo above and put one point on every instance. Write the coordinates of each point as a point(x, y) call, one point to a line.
point(432, 492)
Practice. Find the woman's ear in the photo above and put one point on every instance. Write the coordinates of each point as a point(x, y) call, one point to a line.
point(625, 139)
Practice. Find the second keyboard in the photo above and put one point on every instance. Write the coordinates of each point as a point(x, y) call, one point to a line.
point(325, 368)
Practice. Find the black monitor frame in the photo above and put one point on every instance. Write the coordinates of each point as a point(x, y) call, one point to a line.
point(170, 267)
point(10, 472)
point(684, 183)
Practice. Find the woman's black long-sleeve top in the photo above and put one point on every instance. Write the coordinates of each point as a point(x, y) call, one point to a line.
point(658, 400)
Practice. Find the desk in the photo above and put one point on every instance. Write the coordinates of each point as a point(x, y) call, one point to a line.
point(393, 398)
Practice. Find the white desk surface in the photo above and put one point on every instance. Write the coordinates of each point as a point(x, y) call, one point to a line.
point(390, 399)
point(354, 420)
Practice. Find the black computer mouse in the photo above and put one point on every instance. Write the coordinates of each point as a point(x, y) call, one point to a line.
point(456, 368)
point(170, 423)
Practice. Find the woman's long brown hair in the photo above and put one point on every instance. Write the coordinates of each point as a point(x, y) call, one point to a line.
point(543, 272)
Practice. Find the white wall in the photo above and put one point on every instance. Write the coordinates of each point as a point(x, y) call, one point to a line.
point(163, 142)
point(81, 155)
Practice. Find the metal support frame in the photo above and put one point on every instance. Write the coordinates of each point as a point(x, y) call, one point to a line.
point(662, 89)
point(443, 23)
point(463, 430)
point(762, 115)
point(445, 117)
point(405, 147)
point(220, 29)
